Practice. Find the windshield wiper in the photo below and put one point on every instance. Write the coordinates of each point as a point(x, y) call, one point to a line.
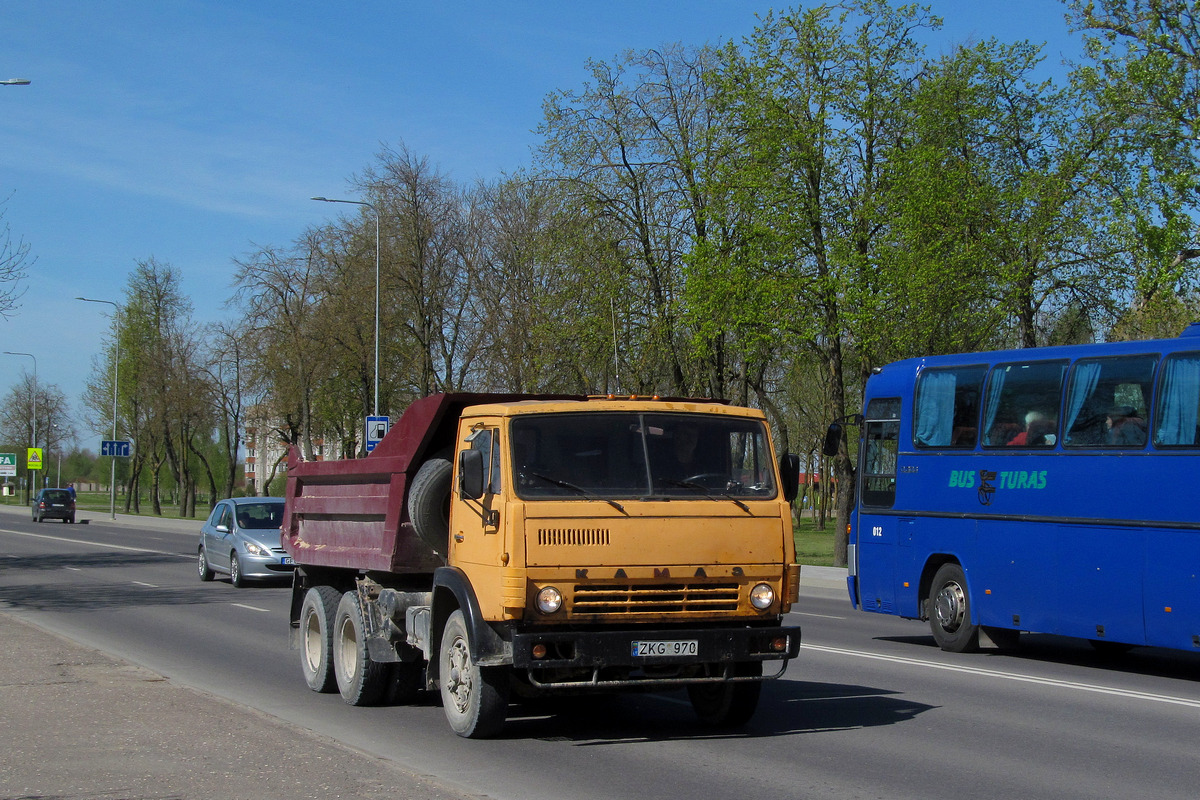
point(589, 495)
point(704, 491)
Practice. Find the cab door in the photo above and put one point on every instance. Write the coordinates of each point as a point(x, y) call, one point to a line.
point(476, 544)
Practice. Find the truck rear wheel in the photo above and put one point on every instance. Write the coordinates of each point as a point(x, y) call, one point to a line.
point(361, 680)
point(475, 698)
point(728, 705)
point(429, 502)
point(316, 637)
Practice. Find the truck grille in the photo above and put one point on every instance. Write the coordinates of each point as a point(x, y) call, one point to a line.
point(632, 599)
point(578, 537)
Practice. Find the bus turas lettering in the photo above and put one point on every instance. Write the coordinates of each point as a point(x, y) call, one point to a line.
point(1010, 479)
point(1023, 479)
point(962, 479)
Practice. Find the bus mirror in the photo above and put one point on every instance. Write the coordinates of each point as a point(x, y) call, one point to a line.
point(833, 439)
point(789, 473)
point(470, 474)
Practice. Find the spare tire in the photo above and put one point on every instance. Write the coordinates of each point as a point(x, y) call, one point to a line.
point(429, 502)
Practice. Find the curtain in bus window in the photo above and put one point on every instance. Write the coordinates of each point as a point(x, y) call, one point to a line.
point(935, 409)
point(1083, 383)
point(995, 388)
point(1176, 424)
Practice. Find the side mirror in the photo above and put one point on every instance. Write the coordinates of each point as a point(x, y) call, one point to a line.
point(222, 528)
point(470, 474)
point(833, 440)
point(789, 473)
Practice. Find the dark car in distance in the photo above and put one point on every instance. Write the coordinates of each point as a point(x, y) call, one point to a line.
point(53, 504)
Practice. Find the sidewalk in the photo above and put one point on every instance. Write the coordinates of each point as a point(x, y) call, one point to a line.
point(77, 723)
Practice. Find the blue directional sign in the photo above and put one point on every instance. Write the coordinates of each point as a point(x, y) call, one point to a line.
point(112, 447)
point(377, 428)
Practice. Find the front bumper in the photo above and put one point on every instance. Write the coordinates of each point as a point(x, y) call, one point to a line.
point(606, 658)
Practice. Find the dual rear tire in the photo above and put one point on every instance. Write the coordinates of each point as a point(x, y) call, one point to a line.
point(334, 654)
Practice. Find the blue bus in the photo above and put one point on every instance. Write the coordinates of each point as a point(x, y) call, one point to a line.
point(1044, 490)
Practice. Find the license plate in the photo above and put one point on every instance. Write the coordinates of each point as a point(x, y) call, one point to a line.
point(669, 647)
point(285, 560)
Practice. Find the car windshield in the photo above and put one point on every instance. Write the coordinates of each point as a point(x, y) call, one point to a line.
point(259, 516)
point(638, 456)
point(56, 496)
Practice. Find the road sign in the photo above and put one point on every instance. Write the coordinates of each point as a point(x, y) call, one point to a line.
point(8, 465)
point(115, 448)
point(377, 428)
point(33, 458)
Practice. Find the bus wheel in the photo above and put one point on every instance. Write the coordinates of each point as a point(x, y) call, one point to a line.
point(950, 611)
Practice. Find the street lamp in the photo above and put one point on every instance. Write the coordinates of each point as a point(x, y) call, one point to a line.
point(16, 82)
point(112, 481)
point(375, 405)
point(58, 474)
point(33, 402)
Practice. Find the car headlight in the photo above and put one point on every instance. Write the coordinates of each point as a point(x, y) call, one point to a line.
point(762, 597)
point(256, 549)
point(549, 600)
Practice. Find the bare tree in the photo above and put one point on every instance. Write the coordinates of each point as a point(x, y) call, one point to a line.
point(14, 260)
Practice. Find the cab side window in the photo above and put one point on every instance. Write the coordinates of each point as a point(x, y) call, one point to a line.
point(487, 442)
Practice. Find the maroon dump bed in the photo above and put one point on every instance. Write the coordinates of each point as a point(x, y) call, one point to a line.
point(352, 513)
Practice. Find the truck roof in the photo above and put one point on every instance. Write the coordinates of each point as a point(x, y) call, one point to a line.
point(607, 403)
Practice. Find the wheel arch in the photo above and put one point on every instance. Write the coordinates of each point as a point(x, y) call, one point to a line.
point(452, 591)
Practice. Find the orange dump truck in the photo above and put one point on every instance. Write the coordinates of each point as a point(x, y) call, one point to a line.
point(501, 544)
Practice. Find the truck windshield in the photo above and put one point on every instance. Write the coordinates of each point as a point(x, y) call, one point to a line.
point(641, 456)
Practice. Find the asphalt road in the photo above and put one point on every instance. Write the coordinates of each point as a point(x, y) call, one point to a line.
point(871, 709)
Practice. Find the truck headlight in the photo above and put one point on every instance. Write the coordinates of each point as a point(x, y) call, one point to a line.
point(762, 597)
point(549, 600)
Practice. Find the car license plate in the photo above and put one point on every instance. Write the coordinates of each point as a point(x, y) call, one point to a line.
point(669, 647)
point(285, 560)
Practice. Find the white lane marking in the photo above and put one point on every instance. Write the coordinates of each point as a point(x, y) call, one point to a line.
point(95, 544)
point(251, 608)
point(1010, 676)
point(820, 616)
point(147, 585)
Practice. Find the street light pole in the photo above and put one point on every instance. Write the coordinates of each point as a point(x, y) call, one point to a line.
point(112, 481)
point(375, 405)
point(33, 403)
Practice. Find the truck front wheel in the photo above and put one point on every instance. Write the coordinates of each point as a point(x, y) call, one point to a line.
point(316, 637)
point(728, 705)
point(475, 698)
point(361, 680)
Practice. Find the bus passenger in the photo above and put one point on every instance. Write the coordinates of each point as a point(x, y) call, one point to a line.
point(1039, 430)
point(1125, 427)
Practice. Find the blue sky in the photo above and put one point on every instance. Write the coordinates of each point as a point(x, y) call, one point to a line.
point(191, 131)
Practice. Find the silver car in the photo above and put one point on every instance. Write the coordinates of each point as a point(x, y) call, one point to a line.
point(240, 539)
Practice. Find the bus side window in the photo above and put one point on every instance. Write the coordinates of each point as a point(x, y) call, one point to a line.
point(1106, 401)
point(1022, 404)
point(1178, 409)
point(946, 407)
point(881, 435)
